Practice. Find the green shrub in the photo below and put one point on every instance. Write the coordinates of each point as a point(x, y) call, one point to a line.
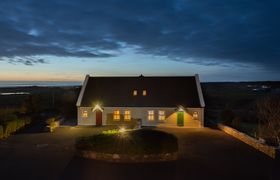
point(52, 123)
point(1, 132)
point(14, 125)
point(236, 122)
point(143, 141)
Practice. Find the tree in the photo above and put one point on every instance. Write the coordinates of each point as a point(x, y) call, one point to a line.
point(32, 104)
point(268, 113)
point(227, 115)
point(69, 104)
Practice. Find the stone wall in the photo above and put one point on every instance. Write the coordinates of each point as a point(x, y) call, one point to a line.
point(127, 158)
point(268, 150)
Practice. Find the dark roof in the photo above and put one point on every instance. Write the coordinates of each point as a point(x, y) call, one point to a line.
point(161, 92)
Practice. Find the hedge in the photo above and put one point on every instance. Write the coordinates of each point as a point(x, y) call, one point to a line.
point(1, 132)
point(10, 127)
point(136, 142)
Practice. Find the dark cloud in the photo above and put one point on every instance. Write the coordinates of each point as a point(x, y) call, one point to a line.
point(203, 32)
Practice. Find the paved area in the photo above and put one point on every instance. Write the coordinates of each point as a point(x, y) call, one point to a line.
point(204, 154)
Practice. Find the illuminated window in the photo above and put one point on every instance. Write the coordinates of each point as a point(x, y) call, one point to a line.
point(84, 114)
point(134, 92)
point(117, 115)
point(195, 115)
point(127, 115)
point(151, 116)
point(144, 92)
point(161, 115)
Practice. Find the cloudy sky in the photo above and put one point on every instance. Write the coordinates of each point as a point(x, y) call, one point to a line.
point(233, 40)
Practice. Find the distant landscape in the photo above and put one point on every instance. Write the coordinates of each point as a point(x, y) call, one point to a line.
point(235, 99)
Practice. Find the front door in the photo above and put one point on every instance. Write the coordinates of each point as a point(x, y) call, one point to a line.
point(180, 118)
point(98, 115)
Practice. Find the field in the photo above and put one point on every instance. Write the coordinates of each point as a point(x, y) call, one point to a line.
point(239, 97)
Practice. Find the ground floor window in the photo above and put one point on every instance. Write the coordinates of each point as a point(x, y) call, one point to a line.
point(127, 115)
point(117, 115)
point(195, 115)
point(161, 115)
point(151, 116)
point(84, 114)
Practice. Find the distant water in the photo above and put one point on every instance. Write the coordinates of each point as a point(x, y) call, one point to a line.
point(38, 83)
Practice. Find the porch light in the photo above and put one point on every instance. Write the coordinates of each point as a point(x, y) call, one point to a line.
point(181, 109)
point(97, 107)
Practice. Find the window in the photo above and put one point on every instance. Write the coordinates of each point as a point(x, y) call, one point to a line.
point(84, 114)
point(127, 115)
point(117, 115)
point(134, 92)
point(195, 115)
point(144, 93)
point(151, 116)
point(161, 115)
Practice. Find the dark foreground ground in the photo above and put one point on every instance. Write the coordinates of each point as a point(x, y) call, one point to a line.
point(204, 154)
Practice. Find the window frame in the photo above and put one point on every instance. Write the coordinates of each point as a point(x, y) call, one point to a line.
point(151, 115)
point(134, 92)
point(84, 114)
point(127, 115)
point(144, 92)
point(117, 115)
point(161, 115)
point(195, 115)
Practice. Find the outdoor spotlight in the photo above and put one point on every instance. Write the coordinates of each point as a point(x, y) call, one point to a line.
point(122, 130)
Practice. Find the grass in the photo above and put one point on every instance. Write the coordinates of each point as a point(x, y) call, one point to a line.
point(137, 142)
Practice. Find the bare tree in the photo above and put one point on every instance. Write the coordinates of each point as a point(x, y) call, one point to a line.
point(268, 112)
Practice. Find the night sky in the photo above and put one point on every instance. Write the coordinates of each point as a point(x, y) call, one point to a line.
point(232, 40)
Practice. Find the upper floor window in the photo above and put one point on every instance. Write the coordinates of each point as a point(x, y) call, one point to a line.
point(144, 92)
point(151, 115)
point(195, 115)
point(134, 92)
point(161, 115)
point(84, 114)
point(127, 115)
point(117, 115)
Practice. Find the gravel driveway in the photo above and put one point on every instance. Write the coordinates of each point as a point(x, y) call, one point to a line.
point(204, 154)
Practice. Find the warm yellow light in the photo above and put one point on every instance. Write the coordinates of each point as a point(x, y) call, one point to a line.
point(122, 130)
point(151, 116)
point(195, 115)
point(117, 115)
point(85, 114)
point(161, 115)
point(127, 115)
point(181, 109)
point(144, 92)
point(134, 92)
point(97, 107)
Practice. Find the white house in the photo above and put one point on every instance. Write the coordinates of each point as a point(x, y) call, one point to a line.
point(152, 101)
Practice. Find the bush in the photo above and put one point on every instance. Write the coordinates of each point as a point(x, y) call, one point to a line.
point(1, 132)
point(137, 142)
point(236, 122)
point(52, 123)
point(14, 125)
point(267, 110)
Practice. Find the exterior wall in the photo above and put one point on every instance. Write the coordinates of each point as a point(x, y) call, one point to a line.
point(141, 113)
point(90, 120)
